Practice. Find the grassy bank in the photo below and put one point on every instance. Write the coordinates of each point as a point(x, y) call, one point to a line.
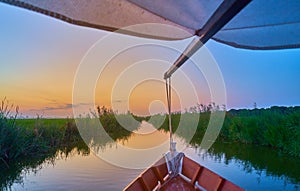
point(32, 151)
point(276, 127)
point(27, 143)
point(30, 138)
point(35, 138)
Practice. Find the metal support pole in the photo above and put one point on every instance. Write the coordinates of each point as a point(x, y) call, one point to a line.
point(224, 13)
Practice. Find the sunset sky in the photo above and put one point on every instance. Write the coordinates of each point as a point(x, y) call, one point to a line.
point(39, 57)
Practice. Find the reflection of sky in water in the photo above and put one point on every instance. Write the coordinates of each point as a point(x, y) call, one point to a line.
point(140, 150)
point(91, 173)
point(78, 173)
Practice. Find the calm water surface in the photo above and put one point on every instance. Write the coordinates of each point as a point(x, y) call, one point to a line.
point(251, 167)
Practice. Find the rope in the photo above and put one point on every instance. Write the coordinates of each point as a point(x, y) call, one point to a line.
point(168, 91)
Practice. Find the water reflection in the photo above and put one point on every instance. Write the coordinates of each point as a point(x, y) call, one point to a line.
point(251, 167)
point(77, 172)
point(75, 167)
point(19, 169)
point(139, 150)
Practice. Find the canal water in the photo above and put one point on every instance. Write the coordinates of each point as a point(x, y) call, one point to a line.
point(250, 167)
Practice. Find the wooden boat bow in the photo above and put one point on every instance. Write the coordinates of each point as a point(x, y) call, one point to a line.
point(193, 177)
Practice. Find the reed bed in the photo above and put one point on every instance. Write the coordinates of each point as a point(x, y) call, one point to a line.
point(275, 127)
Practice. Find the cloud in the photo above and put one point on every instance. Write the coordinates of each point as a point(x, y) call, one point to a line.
point(119, 101)
point(59, 107)
point(65, 106)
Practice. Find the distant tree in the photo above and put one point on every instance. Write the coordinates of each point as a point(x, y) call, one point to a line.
point(255, 105)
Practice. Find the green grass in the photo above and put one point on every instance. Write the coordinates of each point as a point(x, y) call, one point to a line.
point(275, 127)
point(27, 143)
point(34, 142)
point(32, 138)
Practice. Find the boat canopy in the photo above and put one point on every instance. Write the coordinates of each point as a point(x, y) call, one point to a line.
point(267, 24)
point(257, 24)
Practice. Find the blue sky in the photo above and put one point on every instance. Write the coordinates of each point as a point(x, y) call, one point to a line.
point(39, 56)
point(265, 77)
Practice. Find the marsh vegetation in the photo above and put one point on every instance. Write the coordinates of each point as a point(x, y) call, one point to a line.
point(27, 143)
point(275, 127)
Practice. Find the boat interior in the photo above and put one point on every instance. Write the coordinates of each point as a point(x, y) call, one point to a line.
point(192, 177)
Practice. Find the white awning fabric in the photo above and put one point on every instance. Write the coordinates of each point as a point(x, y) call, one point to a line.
point(262, 24)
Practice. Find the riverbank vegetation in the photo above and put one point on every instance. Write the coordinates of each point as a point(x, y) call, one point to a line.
point(28, 143)
point(32, 138)
point(36, 138)
point(276, 127)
